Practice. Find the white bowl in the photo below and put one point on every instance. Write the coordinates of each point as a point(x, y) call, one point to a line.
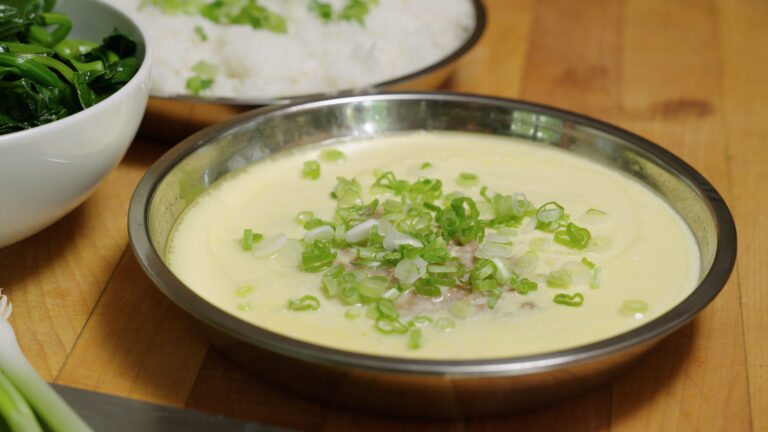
point(48, 170)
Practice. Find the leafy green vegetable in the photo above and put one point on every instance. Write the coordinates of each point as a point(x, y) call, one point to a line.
point(44, 76)
point(205, 73)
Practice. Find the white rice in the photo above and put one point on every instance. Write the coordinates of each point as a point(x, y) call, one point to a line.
point(399, 37)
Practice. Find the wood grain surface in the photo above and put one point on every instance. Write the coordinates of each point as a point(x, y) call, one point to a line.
point(691, 75)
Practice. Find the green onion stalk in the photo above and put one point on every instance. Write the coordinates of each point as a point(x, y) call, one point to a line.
point(27, 402)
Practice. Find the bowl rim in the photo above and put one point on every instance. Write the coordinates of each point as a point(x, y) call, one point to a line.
point(468, 44)
point(138, 79)
point(711, 284)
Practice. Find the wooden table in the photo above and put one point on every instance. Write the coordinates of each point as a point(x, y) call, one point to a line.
point(691, 75)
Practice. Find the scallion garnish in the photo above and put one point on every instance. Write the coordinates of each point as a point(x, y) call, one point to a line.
point(249, 239)
point(559, 278)
point(317, 256)
point(245, 307)
point(462, 309)
point(414, 339)
point(353, 313)
point(308, 302)
point(323, 10)
point(332, 155)
point(244, 291)
point(420, 321)
point(634, 307)
point(573, 236)
point(388, 326)
point(596, 276)
point(569, 300)
point(588, 263)
point(311, 170)
point(201, 33)
point(304, 217)
point(467, 180)
point(425, 165)
point(445, 323)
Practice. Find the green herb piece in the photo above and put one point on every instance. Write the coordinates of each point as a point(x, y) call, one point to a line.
point(201, 33)
point(569, 300)
point(389, 326)
point(633, 307)
point(549, 216)
point(445, 323)
point(372, 288)
point(526, 263)
point(573, 236)
point(559, 278)
point(596, 276)
point(420, 321)
point(588, 263)
point(243, 12)
point(462, 309)
point(353, 313)
point(485, 285)
point(311, 170)
point(425, 165)
point(317, 256)
point(414, 339)
point(524, 286)
point(304, 216)
point(493, 298)
point(387, 309)
point(467, 180)
point(332, 155)
point(249, 239)
point(244, 291)
point(307, 302)
point(323, 10)
point(205, 73)
point(357, 10)
point(245, 307)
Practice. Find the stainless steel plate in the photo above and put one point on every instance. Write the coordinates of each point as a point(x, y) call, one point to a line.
point(408, 386)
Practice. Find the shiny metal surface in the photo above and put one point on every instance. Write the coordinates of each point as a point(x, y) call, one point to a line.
point(105, 412)
point(423, 387)
point(427, 78)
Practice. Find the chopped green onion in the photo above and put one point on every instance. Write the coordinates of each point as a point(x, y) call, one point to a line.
point(526, 263)
point(573, 236)
point(594, 217)
point(317, 256)
point(392, 294)
point(414, 339)
point(539, 244)
point(305, 303)
point(426, 288)
point(249, 239)
point(559, 278)
point(311, 170)
point(588, 263)
point(353, 313)
point(462, 309)
point(569, 300)
point(635, 308)
point(485, 285)
point(600, 244)
point(201, 33)
point(388, 326)
point(244, 291)
point(550, 213)
point(332, 155)
point(323, 10)
point(420, 321)
point(493, 298)
point(445, 323)
point(596, 275)
point(467, 180)
point(524, 286)
point(372, 288)
point(304, 217)
point(245, 307)
point(436, 268)
point(425, 165)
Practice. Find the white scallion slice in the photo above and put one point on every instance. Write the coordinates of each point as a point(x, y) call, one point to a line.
point(323, 232)
point(540, 244)
point(435, 268)
point(409, 270)
point(290, 254)
point(492, 250)
point(497, 238)
point(600, 244)
point(270, 246)
point(580, 274)
point(360, 231)
point(395, 238)
point(525, 264)
point(529, 226)
point(503, 270)
point(594, 217)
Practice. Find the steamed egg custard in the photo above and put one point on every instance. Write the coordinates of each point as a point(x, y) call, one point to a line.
point(439, 245)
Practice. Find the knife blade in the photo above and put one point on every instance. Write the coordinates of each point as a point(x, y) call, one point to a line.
point(105, 412)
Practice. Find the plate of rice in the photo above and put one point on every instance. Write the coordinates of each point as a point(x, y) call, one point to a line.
point(263, 52)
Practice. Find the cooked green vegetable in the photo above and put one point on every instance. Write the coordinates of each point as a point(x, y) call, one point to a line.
point(45, 77)
point(205, 73)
